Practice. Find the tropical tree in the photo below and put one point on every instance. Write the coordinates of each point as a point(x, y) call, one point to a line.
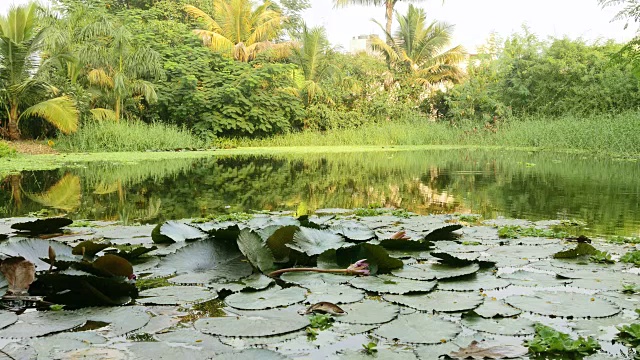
point(118, 67)
point(21, 40)
point(311, 58)
point(420, 49)
point(388, 5)
point(239, 29)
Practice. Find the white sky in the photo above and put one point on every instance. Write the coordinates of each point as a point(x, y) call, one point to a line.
point(474, 20)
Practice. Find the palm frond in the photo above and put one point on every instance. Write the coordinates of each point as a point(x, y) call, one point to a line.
point(102, 114)
point(66, 194)
point(196, 13)
point(101, 78)
point(61, 112)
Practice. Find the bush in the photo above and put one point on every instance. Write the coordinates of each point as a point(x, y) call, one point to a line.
point(128, 136)
point(6, 151)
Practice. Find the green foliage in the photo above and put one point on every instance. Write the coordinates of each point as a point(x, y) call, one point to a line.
point(321, 321)
point(516, 231)
point(601, 257)
point(630, 288)
point(629, 335)
point(128, 136)
point(6, 151)
point(548, 341)
point(235, 217)
point(152, 283)
point(370, 348)
point(528, 76)
point(631, 257)
point(621, 240)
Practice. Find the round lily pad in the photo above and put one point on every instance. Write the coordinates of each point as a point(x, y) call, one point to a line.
point(419, 329)
point(387, 284)
point(7, 318)
point(122, 320)
point(564, 304)
point(337, 294)
point(525, 252)
point(160, 350)
point(176, 295)
point(534, 279)
point(500, 326)
point(266, 299)
point(491, 307)
point(256, 281)
point(386, 354)
point(251, 354)
point(445, 301)
point(254, 323)
point(435, 271)
point(474, 283)
point(39, 323)
point(36, 249)
point(314, 278)
point(369, 312)
point(190, 337)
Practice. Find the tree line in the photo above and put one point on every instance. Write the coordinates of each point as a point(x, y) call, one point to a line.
point(254, 68)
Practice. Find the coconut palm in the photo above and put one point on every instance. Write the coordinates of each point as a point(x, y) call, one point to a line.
point(311, 58)
point(239, 29)
point(21, 39)
point(388, 5)
point(420, 48)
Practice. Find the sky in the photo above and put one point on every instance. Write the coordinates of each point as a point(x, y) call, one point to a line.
point(474, 20)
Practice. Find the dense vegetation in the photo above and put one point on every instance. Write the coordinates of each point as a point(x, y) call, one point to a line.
point(228, 69)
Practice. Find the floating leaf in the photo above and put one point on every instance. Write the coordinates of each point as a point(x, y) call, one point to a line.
point(43, 226)
point(387, 284)
point(277, 237)
point(314, 242)
point(174, 231)
point(441, 232)
point(36, 249)
point(477, 350)
point(419, 329)
point(132, 254)
point(89, 248)
point(254, 323)
point(39, 323)
point(387, 354)
point(474, 282)
point(492, 307)
point(160, 350)
point(255, 281)
point(535, 279)
point(79, 291)
point(339, 294)
point(7, 318)
point(564, 304)
point(445, 301)
point(369, 312)
point(354, 232)
point(214, 259)
point(176, 295)
point(251, 354)
point(113, 265)
point(19, 273)
point(435, 271)
point(314, 278)
point(266, 299)
point(194, 338)
point(405, 244)
point(122, 320)
point(377, 257)
point(500, 326)
point(256, 252)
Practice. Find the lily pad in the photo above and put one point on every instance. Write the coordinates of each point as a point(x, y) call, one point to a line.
point(386, 354)
point(251, 354)
point(256, 281)
point(266, 299)
point(43, 226)
point(7, 318)
point(445, 301)
point(254, 249)
point(36, 249)
point(525, 252)
point(77, 291)
point(494, 350)
point(337, 294)
point(492, 307)
point(435, 271)
point(564, 304)
point(254, 323)
point(161, 350)
point(315, 242)
point(354, 232)
point(387, 284)
point(218, 259)
point(176, 295)
point(314, 278)
point(500, 326)
point(419, 329)
point(122, 320)
point(39, 323)
point(174, 231)
point(475, 282)
point(369, 312)
point(194, 338)
point(377, 257)
point(534, 279)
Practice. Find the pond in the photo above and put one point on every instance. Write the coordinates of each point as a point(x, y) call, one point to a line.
point(602, 193)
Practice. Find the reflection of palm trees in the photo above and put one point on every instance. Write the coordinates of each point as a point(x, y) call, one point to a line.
point(65, 194)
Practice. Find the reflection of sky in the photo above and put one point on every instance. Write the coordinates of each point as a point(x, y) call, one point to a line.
point(474, 20)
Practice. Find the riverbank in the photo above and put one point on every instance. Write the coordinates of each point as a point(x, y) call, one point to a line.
point(610, 135)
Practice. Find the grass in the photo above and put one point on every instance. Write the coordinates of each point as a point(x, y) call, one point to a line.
point(6, 151)
point(128, 136)
point(603, 134)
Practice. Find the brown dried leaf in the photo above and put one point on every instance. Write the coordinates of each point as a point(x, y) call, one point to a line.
point(325, 307)
point(20, 273)
point(477, 350)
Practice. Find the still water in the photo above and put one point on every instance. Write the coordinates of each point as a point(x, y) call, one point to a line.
point(603, 193)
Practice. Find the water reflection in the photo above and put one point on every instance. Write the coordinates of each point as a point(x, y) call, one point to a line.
point(603, 192)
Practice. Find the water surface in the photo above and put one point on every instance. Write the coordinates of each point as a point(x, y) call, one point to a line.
point(604, 193)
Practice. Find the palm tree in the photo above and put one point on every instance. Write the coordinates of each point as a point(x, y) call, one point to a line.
point(21, 39)
point(420, 49)
point(388, 5)
point(118, 67)
point(237, 29)
point(311, 58)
